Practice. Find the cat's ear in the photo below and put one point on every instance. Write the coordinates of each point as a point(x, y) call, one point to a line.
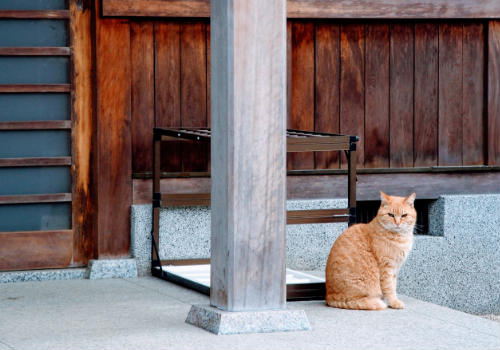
point(411, 199)
point(384, 198)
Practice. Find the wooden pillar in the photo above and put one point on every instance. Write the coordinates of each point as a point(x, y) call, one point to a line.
point(248, 153)
point(112, 149)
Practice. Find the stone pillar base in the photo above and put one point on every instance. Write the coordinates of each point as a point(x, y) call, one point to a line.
point(112, 268)
point(225, 322)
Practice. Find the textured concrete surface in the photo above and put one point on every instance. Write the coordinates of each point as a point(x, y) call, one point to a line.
point(458, 266)
point(149, 313)
point(185, 234)
point(267, 321)
point(42, 275)
point(112, 268)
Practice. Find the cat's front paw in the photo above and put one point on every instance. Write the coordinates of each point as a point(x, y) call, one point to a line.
point(396, 304)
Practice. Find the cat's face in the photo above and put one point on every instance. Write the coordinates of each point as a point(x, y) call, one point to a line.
point(397, 214)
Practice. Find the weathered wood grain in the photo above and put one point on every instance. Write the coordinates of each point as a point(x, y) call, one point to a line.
point(22, 162)
point(37, 125)
point(302, 89)
point(428, 184)
point(38, 88)
point(34, 51)
point(401, 95)
point(83, 138)
point(34, 14)
point(167, 88)
point(377, 96)
point(35, 249)
point(143, 91)
point(248, 155)
point(450, 94)
point(193, 77)
point(425, 139)
point(327, 87)
point(35, 198)
point(113, 141)
point(473, 147)
point(409, 9)
point(352, 89)
point(494, 93)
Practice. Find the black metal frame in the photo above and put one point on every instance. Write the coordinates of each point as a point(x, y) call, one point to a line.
point(297, 141)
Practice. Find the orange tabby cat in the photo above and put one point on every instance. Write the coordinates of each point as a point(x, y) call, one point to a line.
point(365, 259)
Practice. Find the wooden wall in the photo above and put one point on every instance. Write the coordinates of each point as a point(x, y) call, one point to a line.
point(416, 93)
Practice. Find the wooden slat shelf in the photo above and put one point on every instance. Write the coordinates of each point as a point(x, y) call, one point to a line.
point(30, 162)
point(35, 198)
point(35, 51)
point(31, 14)
point(19, 88)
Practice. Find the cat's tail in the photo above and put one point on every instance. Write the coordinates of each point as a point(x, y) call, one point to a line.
point(367, 303)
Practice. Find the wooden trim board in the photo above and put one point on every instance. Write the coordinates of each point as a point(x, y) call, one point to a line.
point(409, 9)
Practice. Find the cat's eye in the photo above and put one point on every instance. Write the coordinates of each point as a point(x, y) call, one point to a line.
point(404, 215)
point(391, 215)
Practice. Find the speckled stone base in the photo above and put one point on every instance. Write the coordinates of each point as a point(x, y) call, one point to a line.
point(185, 234)
point(42, 275)
point(224, 322)
point(457, 265)
point(112, 268)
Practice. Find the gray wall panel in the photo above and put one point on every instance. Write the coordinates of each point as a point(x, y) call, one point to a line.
point(33, 4)
point(34, 70)
point(26, 107)
point(31, 217)
point(34, 180)
point(33, 32)
point(50, 143)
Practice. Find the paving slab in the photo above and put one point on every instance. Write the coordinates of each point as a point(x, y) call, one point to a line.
point(147, 313)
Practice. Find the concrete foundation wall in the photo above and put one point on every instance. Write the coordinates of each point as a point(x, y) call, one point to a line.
point(457, 265)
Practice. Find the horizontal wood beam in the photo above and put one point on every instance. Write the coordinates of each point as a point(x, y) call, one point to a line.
point(19, 88)
point(22, 14)
point(36, 125)
point(35, 51)
point(340, 9)
point(426, 185)
point(35, 198)
point(27, 162)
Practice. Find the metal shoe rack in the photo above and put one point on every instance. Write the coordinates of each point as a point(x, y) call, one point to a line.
point(296, 141)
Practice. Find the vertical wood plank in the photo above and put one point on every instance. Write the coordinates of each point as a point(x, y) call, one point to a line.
point(207, 35)
point(167, 89)
point(494, 92)
point(473, 94)
point(142, 66)
point(401, 96)
point(425, 143)
point(114, 148)
point(352, 92)
point(248, 155)
point(450, 94)
point(377, 96)
point(82, 116)
point(327, 83)
point(302, 114)
point(289, 30)
point(193, 91)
